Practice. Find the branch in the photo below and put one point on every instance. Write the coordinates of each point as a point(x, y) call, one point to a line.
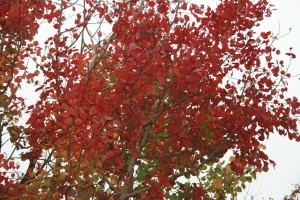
point(47, 160)
point(111, 186)
point(156, 157)
point(139, 146)
point(189, 171)
point(31, 166)
point(132, 194)
point(96, 57)
point(149, 124)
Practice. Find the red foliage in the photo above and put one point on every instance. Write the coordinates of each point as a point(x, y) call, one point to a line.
point(172, 88)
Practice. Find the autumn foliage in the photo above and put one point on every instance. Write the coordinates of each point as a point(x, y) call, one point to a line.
point(134, 95)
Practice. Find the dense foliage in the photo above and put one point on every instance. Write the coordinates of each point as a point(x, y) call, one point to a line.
point(135, 94)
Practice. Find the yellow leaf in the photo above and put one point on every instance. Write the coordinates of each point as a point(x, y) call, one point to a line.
point(115, 135)
point(82, 165)
point(62, 176)
point(56, 172)
point(218, 184)
point(262, 146)
point(99, 164)
point(113, 180)
point(216, 195)
point(32, 175)
point(232, 158)
point(227, 169)
point(59, 160)
point(103, 157)
point(64, 154)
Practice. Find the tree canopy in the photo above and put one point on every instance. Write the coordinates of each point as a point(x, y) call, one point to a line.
point(136, 95)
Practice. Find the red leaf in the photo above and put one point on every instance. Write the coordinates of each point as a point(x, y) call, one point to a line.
point(76, 139)
point(132, 46)
point(83, 115)
point(163, 179)
point(68, 121)
point(108, 18)
point(126, 180)
point(75, 35)
point(184, 6)
point(134, 153)
point(93, 111)
point(186, 18)
point(77, 122)
point(151, 3)
point(56, 26)
point(291, 55)
point(265, 35)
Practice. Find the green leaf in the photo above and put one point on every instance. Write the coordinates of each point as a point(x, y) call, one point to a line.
point(239, 189)
point(174, 197)
point(203, 168)
point(141, 174)
point(248, 179)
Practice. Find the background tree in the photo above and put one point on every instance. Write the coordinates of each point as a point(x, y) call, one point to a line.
point(136, 94)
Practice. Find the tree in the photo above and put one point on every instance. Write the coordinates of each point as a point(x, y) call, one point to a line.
point(135, 95)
